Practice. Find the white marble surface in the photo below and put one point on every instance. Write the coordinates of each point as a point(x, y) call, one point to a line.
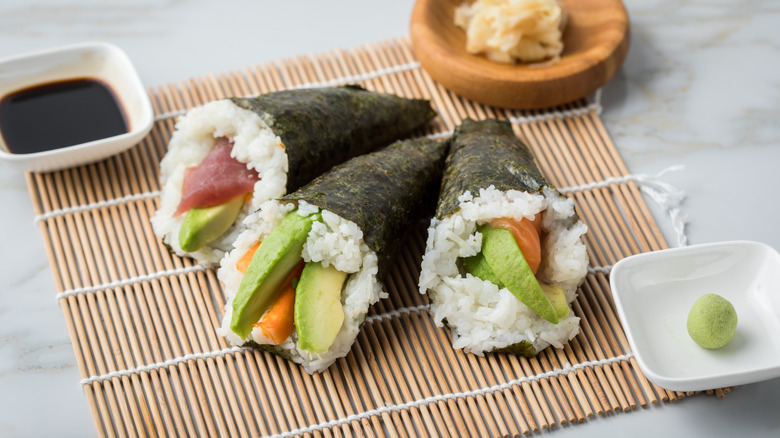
point(700, 88)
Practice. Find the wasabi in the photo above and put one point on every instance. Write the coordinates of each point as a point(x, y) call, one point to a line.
point(712, 321)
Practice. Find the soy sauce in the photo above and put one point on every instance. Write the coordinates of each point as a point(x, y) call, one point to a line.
point(60, 114)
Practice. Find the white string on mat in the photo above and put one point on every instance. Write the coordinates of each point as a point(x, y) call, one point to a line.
point(594, 105)
point(556, 114)
point(398, 312)
point(643, 179)
point(600, 269)
point(163, 364)
point(454, 396)
point(329, 83)
point(223, 352)
point(95, 205)
point(548, 115)
point(129, 281)
point(667, 196)
point(400, 68)
point(169, 115)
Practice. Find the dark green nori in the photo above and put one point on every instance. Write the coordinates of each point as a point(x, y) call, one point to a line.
point(382, 192)
point(322, 127)
point(522, 348)
point(482, 154)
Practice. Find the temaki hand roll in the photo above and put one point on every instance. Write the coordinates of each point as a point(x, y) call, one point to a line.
point(227, 157)
point(302, 275)
point(504, 254)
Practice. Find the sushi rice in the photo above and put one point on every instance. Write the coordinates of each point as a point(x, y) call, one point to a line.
point(481, 317)
point(196, 132)
point(333, 241)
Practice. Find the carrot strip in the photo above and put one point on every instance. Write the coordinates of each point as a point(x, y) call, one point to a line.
point(245, 259)
point(278, 322)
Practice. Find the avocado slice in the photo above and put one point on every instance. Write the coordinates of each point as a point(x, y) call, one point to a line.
point(318, 310)
point(557, 297)
point(202, 226)
point(507, 262)
point(478, 267)
point(270, 267)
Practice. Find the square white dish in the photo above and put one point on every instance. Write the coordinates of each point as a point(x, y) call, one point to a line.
point(654, 292)
point(100, 61)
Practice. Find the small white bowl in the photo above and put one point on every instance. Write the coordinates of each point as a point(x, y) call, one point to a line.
point(655, 291)
point(101, 61)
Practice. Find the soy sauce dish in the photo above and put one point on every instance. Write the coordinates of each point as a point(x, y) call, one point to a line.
point(70, 106)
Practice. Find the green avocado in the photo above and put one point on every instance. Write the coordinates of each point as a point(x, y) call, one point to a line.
point(202, 226)
point(478, 267)
point(318, 311)
point(557, 297)
point(275, 259)
point(507, 262)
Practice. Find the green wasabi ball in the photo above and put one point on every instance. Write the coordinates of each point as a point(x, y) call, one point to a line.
point(712, 321)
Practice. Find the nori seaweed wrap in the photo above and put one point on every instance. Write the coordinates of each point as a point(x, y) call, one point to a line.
point(282, 140)
point(504, 255)
point(351, 220)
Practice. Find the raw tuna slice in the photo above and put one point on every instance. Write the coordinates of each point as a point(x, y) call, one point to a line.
point(216, 179)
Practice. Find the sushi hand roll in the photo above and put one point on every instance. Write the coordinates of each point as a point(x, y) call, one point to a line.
point(504, 255)
point(301, 277)
point(227, 157)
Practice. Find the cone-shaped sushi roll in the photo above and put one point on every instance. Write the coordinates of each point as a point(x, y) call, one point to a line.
point(504, 254)
point(302, 275)
point(227, 157)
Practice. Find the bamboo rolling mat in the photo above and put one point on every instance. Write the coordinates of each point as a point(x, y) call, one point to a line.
point(142, 321)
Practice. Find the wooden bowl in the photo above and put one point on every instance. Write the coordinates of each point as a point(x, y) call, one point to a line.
point(595, 45)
